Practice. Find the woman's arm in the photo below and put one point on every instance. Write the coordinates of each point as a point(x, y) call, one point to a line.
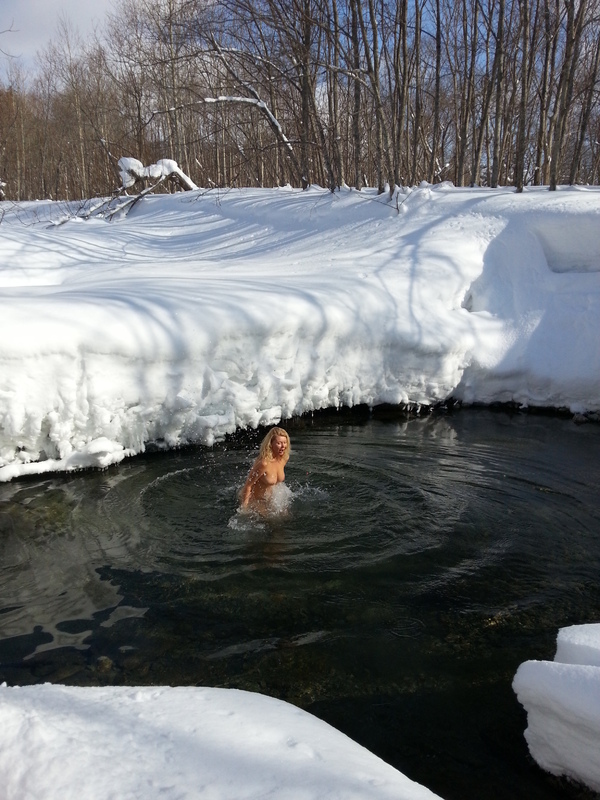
point(256, 473)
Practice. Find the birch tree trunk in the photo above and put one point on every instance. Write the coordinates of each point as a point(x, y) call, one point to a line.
point(521, 143)
point(499, 82)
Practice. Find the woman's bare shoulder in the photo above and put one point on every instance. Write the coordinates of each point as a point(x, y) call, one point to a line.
point(259, 466)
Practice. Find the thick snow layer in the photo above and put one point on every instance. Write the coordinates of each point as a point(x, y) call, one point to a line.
point(562, 700)
point(203, 312)
point(579, 644)
point(185, 742)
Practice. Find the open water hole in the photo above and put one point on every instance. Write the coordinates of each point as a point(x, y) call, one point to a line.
point(419, 562)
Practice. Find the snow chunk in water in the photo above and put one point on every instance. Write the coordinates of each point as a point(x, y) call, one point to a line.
point(562, 700)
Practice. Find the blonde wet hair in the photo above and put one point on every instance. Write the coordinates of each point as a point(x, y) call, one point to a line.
point(266, 452)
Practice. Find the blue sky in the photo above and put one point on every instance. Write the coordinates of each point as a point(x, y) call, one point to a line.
point(34, 23)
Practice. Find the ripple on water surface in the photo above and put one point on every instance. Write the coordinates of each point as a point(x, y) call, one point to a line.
point(407, 569)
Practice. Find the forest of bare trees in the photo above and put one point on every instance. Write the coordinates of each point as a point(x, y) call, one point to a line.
point(333, 92)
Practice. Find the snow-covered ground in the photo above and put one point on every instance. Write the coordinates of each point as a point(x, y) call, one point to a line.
point(562, 700)
point(184, 742)
point(202, 312)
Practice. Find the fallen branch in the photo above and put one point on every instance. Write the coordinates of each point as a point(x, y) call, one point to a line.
point(133, 171)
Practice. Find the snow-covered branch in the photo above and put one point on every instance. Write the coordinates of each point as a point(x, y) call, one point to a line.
point(133, 171)
point(251, 98)
point(271, 119)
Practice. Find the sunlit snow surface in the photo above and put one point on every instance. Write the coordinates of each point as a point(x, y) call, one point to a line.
point(203, 312)
point(186, 742)
point(562, 700)
point(206, 311)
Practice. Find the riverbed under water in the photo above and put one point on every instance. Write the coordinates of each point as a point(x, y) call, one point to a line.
point(418, 562)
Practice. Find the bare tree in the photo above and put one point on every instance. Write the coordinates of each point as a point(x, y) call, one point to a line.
point(574, 28)
point(590, 93)
point(267, 91)
point(521, 130)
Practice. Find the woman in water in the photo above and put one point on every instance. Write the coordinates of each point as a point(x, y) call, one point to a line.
point(267, 471)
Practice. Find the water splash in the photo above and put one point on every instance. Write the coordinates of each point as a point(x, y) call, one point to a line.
point(280, 501)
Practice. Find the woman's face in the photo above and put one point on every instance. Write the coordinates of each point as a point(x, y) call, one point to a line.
point(278, 445)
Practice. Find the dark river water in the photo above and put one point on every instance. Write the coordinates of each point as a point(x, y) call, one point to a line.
point(418, 563)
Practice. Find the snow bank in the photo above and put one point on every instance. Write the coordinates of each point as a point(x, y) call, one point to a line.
point(162, 742)
point(203, 312)
point(562, 700)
